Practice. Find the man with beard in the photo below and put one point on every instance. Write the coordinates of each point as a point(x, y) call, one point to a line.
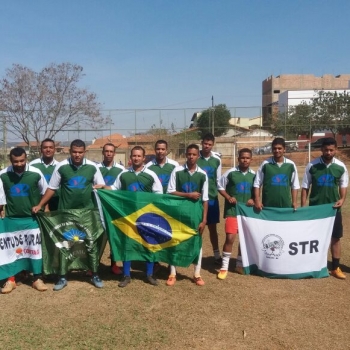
point(21, 187)
point(75, 177)
point(328, 179)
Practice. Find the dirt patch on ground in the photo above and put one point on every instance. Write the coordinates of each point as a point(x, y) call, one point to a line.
point(241, 312)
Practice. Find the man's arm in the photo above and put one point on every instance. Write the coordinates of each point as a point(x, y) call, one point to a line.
point(304, 195)
point(201, 226)
point(340, 202)
point(44, 200)
point(294, 199)
point(192, 195)
point(230, 199)
point(257, 202)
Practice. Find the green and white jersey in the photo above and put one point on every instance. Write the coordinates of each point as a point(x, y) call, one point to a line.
point(182, 180)
point(75, 183)
point(47, 171)
point(163, 171)
point(325, 180)
point(277, 181)
point(22, 191)
point(142, 181)
point(237, 184)
point(111, 173)
point(212, 167)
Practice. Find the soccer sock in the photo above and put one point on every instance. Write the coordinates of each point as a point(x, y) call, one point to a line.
point(12, 279)
point(239, 261)
point(225, 260)
point(216, 254)
point(149, 268)
point(197, 267)
point(127, 268)
point(172, 270)
point(335, 263)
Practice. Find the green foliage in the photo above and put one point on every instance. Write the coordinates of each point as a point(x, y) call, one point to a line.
point(296, 121)
point(331, 110)
point(221, 116)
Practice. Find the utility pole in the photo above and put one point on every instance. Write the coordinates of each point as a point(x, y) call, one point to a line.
point(212, 115)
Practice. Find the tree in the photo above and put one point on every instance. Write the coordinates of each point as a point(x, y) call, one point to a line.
point(39, 105)
point(221, 116)
point(296, 121)
point(331, 111)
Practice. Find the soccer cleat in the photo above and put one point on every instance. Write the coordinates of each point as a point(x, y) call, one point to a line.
point(124, 282)
point(39, 285)
point(171, 280)
point(337, 273)
point(239, 270)
point(152, 280)
point(116, 270)
point(8, 287)
point(97, 282)
point(198, 281)
point(62, 282)
point(222, 274)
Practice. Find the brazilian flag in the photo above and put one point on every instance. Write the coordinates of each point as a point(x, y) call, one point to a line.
point(152, 227)
point(72, 239)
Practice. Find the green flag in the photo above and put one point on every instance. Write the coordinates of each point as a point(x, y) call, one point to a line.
point(71, 240)
point(20, 246)
point(152, 227)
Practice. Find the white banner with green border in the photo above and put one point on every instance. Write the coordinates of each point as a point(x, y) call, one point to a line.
point(282, 243)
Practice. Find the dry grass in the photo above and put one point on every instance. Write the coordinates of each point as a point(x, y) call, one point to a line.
point(272, 314)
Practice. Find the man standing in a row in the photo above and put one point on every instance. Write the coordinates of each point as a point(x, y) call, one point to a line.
point(75, 177)
point(21, 187)
point(162, 165)
point(328, 179)
point(110, 171)
point(46, 164)
point(210, 162)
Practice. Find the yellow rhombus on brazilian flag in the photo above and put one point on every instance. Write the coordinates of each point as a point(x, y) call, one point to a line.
point(152, 227)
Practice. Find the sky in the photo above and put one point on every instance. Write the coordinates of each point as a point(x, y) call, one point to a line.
point(152, 54)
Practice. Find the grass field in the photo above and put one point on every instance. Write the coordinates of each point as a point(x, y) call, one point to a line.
point(241, 312)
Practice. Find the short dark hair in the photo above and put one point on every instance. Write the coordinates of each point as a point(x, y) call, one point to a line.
point(138, 148)
point(47, 140)
point(160, 142)
point(77, 143)
point(279, 141)
point(329, 141)
point(192, 145)
point(244, 150)
point(208, 137)
point(17, 152)
point(108, 144)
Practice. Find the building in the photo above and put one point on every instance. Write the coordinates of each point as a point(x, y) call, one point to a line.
point(289, 98)
point(272, 87)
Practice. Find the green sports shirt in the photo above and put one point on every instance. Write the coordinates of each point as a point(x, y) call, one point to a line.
point(238, 185)
point(21, 191)
point(325, 180)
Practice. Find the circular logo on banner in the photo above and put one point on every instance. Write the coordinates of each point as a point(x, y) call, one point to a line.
point(272, 246)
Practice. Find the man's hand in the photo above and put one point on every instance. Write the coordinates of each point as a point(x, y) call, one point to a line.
point(36, 209)
point(250, 202)
point(339, 203)
point(201, 227)
point(194, 195)
point(232, 200)
point(258, 205)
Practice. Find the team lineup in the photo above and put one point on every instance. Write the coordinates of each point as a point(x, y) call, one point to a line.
point(45, 184)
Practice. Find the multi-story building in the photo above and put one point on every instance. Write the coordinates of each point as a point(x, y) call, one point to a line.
point(273, 86)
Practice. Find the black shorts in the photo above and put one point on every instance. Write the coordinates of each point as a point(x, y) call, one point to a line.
point(338, 226)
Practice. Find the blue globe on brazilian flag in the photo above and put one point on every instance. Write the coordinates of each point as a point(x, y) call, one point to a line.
point(152, 227)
